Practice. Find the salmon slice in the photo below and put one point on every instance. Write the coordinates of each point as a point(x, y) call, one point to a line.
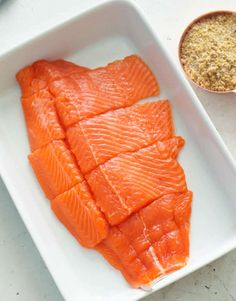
point(91, 93)
point(41, 119)
point(55, 168)
point(55, 70)
point(77, 210)
point(130, 181)
point(98, 139)
point(167, 225)
point(152, 242)
point(36, 77)
point(38, 104)
point(29, 84)
point(113, 247)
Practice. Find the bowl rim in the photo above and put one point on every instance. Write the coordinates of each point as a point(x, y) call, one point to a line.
point(194, 21)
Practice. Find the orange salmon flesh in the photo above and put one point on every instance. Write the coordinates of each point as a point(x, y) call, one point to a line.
point(108, 164)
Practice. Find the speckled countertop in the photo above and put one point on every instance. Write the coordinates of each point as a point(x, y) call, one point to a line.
point(23, 275)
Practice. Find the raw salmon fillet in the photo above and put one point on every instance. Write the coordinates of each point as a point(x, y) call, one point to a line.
point(41, 119)
point(33, 80)
point(152, 242)
point(98, 139)
point(55, 70)
point(37, 76)
point(55, 167)
point(90, 93)
point(29, 84)
point(130, 181)
point(77, 210)
point(109, 166)
point(38, 103)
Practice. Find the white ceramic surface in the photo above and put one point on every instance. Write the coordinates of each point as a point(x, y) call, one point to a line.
point(204, 157)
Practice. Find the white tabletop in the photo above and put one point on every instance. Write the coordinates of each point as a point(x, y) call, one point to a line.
point(23, 275)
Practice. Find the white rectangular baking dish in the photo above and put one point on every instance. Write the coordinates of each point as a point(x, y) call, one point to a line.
point(94, 38)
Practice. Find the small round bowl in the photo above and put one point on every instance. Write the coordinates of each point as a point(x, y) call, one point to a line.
point(218, 12)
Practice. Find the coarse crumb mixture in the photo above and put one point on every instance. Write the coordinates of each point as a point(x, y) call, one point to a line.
point(208, 52)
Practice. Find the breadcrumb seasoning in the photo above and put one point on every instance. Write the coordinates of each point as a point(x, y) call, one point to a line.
point(208, 52)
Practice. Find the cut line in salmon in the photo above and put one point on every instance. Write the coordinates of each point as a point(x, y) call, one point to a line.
point(77, 210)
point(98, 139)
point(130, 181)
point(55, 168)
point(119, 84)
point(37, 76)
point(152, 242)
point(41, 119)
